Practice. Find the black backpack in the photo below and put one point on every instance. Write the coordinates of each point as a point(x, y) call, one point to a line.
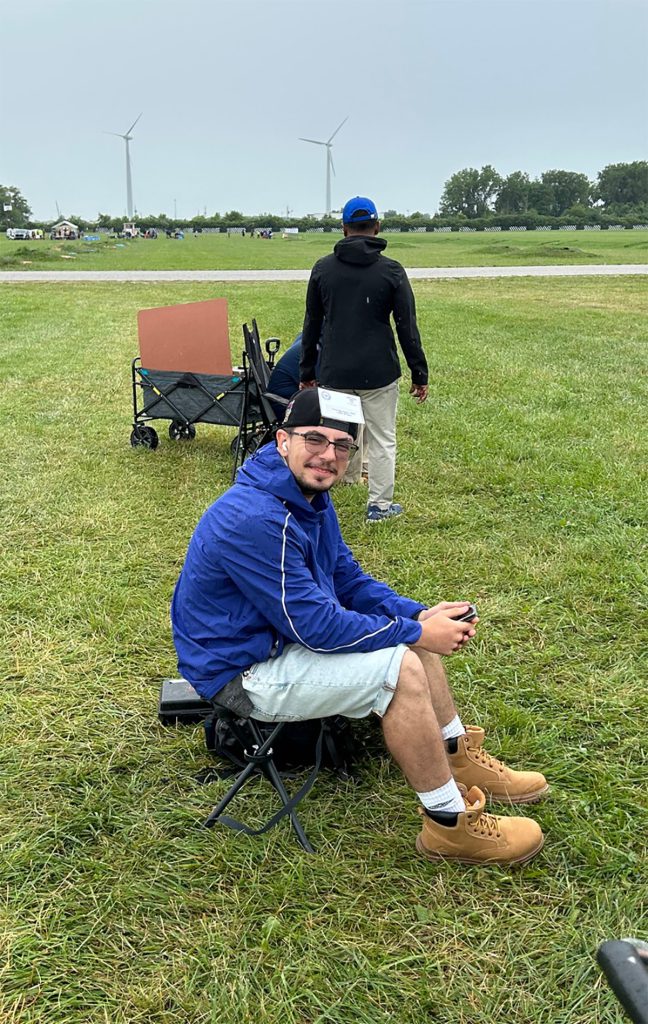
point(297, 746)
point(343, 741)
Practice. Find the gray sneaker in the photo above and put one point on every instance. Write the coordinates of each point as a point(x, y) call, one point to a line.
point(375, 514)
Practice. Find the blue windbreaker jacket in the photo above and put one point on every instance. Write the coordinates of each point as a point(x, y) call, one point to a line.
point(266, 568)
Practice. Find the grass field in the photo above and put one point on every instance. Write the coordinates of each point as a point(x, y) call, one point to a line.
point(222, 252)
point(525, 485)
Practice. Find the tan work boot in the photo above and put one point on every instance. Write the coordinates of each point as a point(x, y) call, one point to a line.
point(479, 837)
point(471, 765)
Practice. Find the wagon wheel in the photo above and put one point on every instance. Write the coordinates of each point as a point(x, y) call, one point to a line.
point(179, 431)
point(144, 437)
point(253, 441)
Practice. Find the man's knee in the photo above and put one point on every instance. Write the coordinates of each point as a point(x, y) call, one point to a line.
point(432, 663)
point(412, 679)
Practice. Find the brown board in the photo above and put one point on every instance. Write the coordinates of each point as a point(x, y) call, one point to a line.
point(192, 337)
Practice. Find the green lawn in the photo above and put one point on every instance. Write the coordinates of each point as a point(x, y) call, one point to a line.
point(222, 252)
point(524, 480)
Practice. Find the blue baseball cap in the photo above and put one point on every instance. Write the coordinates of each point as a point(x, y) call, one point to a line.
point(358, 210)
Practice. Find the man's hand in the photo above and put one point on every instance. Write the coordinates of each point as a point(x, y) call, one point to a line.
point(458, 607)
point(441, 634)
point(307, 384)
point(420, 392)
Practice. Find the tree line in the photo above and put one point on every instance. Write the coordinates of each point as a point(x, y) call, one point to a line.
point(619, 191)
point(471, 197)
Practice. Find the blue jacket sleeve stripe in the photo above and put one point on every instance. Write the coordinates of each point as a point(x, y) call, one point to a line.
point(300, 640)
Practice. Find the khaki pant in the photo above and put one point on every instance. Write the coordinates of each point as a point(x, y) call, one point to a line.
point(376, 443)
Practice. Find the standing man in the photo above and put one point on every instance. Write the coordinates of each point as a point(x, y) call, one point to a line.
point(351, 295)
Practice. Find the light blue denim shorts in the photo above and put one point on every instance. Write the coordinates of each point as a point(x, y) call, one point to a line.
point(301, 684)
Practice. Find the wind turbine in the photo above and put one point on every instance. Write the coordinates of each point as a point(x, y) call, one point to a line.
point(329, 161)
point(129, 181)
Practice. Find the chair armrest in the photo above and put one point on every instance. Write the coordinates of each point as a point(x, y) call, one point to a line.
point(279, 399)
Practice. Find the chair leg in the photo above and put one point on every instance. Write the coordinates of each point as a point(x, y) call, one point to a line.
point(243, 776)
point(261, 760)
point(273, 776)
point(238, 784)
point(270, 771)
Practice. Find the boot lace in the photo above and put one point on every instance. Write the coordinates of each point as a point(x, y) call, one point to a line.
point(487, 825)
point(488, 760)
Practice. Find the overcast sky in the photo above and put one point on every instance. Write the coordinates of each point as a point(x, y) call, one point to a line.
point(226, 87)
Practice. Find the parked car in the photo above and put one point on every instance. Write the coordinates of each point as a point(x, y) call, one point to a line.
point(18, 234)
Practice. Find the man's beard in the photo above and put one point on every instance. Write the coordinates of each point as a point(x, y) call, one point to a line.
point(309, 490)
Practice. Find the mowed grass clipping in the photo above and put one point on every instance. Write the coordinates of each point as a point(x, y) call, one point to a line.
point(233, 252)
point(524, 483)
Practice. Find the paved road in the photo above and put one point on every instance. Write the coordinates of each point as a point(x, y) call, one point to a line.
point(414, 273)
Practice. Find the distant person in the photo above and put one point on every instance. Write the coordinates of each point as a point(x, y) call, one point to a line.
point(284, 379)
point(352, 293)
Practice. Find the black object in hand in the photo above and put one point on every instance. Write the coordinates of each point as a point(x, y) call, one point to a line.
point(468, 616)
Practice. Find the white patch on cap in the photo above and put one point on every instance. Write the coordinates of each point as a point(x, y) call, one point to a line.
point(335, 405)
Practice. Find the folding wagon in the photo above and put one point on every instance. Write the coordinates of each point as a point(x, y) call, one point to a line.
point(184, 374)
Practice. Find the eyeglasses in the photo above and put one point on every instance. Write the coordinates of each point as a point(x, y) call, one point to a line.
point(317, 444)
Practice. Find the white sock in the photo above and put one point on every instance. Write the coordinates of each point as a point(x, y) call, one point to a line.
point(453, 729)
point(446, 798)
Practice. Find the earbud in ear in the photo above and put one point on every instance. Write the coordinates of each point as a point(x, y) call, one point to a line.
point(285, 446)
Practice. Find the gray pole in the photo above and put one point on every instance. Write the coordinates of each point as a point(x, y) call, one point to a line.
point(328, 180)
point(129, 183)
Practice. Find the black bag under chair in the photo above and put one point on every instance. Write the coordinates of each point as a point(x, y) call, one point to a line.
point(251, 748)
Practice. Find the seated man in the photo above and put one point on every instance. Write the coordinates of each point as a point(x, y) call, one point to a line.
point(284, 379)
point(270, 598)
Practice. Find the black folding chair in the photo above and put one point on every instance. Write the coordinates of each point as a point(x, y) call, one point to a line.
point(260, 366)
point(258, 758)
point(257, 402)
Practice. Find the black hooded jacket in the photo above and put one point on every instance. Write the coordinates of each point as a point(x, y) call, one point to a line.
point(352, 293)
